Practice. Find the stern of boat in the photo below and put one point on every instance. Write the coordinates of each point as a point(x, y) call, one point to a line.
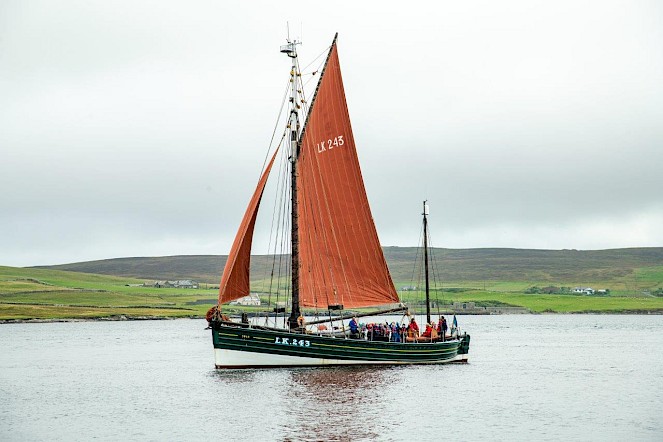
point(463, 348)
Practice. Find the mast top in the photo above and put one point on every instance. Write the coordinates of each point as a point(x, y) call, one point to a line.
point(290, 49)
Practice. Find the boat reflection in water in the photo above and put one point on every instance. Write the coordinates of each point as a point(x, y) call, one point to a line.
point(333, 399)
point(316, 403)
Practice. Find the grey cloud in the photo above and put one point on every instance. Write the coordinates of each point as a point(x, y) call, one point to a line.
point(138, 128)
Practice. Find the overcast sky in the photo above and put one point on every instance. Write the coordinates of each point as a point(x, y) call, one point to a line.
point(138, 128)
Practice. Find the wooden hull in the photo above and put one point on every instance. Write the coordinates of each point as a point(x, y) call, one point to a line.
point(248, 347)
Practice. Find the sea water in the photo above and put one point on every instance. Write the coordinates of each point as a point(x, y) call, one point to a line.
point(530, 377)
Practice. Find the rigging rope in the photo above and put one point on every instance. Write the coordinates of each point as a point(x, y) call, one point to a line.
point(418, 266)
point(271, 233)
point(435, 267)
point(276, 125)
point(324, 51)
point(284, 222)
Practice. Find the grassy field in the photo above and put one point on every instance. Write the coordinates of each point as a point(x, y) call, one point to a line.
point(553, 303)
point(52, 294)
point(31, 293)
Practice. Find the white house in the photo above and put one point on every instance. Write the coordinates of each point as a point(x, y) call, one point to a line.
point(583, 290)
point(251, 299)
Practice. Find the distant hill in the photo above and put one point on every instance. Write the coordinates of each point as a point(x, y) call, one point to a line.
point(451, 265)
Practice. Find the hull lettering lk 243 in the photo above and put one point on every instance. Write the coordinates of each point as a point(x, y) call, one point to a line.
point(293, 342)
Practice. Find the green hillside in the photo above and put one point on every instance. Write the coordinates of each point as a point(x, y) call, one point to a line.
point(489, 277)
point(205, 268)
point(622, 269)
point(527, 264)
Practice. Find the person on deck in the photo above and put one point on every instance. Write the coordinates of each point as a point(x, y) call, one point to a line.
point(354, 328)
point(428, 331)
point(395, 333)
point(442, 327)
point(414, 327)
point(301, 322)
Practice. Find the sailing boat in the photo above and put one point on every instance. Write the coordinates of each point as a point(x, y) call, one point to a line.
point(337, 262)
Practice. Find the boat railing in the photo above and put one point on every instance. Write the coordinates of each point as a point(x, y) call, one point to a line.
point(346, 334)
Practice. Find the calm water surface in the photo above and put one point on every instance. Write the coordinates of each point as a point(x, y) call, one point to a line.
point(579, 377)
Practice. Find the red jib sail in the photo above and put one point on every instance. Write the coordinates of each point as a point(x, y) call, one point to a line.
point(235, 279)
point(341, 261)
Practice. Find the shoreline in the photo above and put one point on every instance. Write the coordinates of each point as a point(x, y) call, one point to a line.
point(119, 318)
point(115, 318)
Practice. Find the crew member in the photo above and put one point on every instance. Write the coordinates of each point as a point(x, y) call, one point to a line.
point(428, 331)
point(354, 328)
point(414, 326)
point(442, 327)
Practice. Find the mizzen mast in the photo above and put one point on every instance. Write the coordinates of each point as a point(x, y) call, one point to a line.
point(425, 214)
point(290, 50)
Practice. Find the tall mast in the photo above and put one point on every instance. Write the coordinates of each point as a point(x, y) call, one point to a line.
point(426, 262)
point(291, 51)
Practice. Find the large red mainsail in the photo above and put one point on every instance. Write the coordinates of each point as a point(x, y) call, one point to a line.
point(341, 261)
point(235, 279)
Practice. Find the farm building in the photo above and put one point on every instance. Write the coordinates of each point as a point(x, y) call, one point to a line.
point(583, 290)
point(180, 284)
point(251, 299)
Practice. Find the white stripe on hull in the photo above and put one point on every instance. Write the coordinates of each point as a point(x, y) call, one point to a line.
point(232, 358)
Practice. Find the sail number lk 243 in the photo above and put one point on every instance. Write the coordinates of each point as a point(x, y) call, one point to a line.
point(330, 144)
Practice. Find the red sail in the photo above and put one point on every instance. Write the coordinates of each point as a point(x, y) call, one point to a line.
point(341, 261)
point(235, 279)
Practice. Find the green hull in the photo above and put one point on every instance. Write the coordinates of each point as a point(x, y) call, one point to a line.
point(237, 346)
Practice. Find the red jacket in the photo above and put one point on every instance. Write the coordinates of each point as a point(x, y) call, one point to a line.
point(428, 331)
